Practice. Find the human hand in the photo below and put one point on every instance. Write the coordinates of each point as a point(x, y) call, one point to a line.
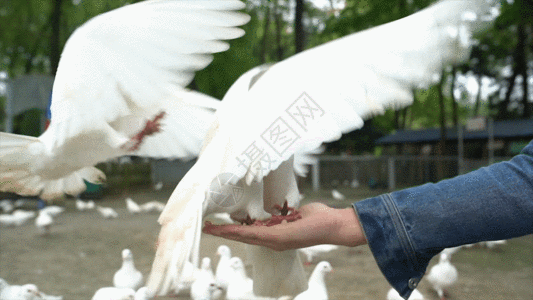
point(320, 224)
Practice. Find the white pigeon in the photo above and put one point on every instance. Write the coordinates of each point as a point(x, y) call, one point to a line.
point(204, 286)
point(21, 202)
point(240, 286)
point(317, 286)
point(313, 251)
point(84, 205)
point(114, 293)
point(272, 112)
point(44, 222)
point(223, 270)
point(121, 79)
point(53, 210)
point(107, 212)
point(415, 295)
point(494, 244)
point(132, 206)
point(128, 276)
point(18, 292)
point(16, 218)
point(7, 205)
point(442, 275)
point(158, 186)
point(152, 206)
point(337, 195)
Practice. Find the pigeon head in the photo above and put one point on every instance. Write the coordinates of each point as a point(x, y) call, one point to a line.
point(31, 291)
point(236, 263)
point(206, 263)
point(224, 251)
point(127, 255)
point(324, 266)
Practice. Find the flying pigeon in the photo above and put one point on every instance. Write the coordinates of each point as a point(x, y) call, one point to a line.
point(120, 90)
point(270, 113)
point(128, 276)
point(442, 275)
point(317, 286)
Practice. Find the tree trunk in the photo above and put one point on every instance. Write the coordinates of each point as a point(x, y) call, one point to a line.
point(266, 26)
point(299, 35)
point(455, 113)
point(279, 27)
point(55, 51)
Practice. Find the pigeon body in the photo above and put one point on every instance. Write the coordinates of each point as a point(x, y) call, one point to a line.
point(204, 286)
point(271, 113)
point(313, 251)
point(223, 270)
point(120, 90)
point(7, 206)
point(442, 275)
point(53, 210)
point(337, 195)
point(44, 222)
point(494, 244)
point(17, 218)
point(114, 293)
point(317, 286)
point(107, 212)
point(132, 206)
point(128, 276)
point(152, 206)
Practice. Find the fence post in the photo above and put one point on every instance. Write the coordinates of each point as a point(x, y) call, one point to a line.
point(316, 175)
point(392, 174)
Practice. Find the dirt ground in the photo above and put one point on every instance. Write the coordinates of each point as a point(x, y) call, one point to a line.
point(84, 250)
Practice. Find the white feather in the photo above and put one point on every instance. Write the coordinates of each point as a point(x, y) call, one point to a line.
point(116, 72)
point(272, 113)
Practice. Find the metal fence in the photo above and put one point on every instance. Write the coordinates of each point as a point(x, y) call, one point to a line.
point(386, 172)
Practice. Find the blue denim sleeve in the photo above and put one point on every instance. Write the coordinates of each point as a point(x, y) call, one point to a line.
point(405, 229)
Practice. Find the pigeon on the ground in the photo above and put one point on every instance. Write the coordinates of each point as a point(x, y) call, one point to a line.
point(107, 212)
point(128, 276)
point(152, 206)
point(119, 90)
point(158, 186)
point(223, 270)
point(204, 286)
point(415, 295)
point(17, 218)
point(53, 210)
point(442, 275)
point(18, 292)
point(114, 293)
point(7, 205)
point(317, 286)
point(313, 251)
point(84, 205)
point(494, 244)
point(273, 112)
point(337, 195)
point(132, 206)
point(44, 222)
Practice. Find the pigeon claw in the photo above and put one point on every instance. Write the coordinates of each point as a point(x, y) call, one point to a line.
point(150, 127)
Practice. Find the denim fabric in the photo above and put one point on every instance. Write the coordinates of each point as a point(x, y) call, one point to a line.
point(405, 229)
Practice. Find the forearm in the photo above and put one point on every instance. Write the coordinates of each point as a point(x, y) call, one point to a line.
point(405, 229)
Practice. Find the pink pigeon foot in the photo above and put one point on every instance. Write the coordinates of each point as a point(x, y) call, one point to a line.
point(287, 214)
point(151, 127)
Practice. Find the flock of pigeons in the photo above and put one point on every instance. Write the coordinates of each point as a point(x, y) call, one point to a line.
point(229, 280)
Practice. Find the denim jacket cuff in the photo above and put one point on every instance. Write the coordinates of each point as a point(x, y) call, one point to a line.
point(390, 243)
